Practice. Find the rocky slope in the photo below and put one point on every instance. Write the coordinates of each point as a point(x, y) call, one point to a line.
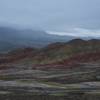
point(64, 54)
point(58, 71)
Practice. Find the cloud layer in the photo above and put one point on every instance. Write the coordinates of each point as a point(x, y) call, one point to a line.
point(78, 32)
point(74, 17)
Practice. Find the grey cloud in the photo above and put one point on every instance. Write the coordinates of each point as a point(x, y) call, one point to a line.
point(52, 15)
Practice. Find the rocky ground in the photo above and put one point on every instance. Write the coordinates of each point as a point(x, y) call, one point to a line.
point(20, 82)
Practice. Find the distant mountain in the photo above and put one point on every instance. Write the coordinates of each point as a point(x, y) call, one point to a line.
point(11, 38)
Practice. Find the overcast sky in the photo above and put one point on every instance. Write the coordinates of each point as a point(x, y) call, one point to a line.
point(63, 17)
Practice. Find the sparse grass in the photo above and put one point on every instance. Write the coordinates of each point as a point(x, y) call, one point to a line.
point(93, 93)
point(6, 78)
point(25, 81)
point(63, 86)
point(58, 94)
point(53, 84)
